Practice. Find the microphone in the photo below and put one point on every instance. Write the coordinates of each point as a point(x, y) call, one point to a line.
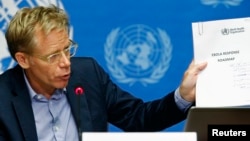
point(79, 91)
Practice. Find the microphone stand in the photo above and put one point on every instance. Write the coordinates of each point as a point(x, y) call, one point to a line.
point(79, 91)
point(79, 117)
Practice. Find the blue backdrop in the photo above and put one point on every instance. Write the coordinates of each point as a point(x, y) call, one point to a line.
point(144, 45)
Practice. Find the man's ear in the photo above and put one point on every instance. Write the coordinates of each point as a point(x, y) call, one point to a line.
point(22, 60)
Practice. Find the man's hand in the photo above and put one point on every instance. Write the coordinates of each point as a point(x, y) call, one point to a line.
point(188, 84)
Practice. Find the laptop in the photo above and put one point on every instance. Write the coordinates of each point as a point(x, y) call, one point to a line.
point(203, 120)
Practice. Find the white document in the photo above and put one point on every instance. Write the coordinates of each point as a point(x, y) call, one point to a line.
point(225, 45)
point(142, 136)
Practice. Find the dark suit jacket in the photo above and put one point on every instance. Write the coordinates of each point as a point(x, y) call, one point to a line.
point(103, 102)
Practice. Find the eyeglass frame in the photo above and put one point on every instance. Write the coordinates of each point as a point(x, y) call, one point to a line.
point(47, 58)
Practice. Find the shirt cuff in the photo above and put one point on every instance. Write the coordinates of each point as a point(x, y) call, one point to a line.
point(181, 103)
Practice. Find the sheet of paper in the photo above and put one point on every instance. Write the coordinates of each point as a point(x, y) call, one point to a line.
point(143, 136)
point(225, 45)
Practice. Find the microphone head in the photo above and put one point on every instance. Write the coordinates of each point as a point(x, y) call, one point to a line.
point(79, 90)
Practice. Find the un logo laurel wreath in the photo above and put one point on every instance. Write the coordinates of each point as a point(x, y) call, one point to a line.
point(226, 3)
point(119, 74)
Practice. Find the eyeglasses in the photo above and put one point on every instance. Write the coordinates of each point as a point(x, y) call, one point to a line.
point(55, 57)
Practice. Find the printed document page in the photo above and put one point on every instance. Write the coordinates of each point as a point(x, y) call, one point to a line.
point(225, 45)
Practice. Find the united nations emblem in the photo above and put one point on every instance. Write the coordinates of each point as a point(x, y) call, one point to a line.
point(8, 9)
point(138, 53)
point(226, 3)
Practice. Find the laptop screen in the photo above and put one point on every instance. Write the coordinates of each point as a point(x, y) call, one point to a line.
point(219, 123)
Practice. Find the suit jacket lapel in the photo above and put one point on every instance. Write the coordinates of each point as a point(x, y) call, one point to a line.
point(25, 117)
point(22, 106)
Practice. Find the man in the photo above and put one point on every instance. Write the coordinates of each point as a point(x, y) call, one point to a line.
point(52, 96)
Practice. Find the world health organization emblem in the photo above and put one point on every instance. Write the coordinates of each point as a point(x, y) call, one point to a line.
point(138, 53)
point(8, 9)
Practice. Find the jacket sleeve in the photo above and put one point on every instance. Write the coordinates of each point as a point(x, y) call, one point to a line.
point(126, 111)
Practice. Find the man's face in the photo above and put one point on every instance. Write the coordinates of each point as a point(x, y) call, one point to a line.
point(43, 75)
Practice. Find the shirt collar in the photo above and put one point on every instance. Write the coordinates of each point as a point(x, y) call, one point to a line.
point(32, 93)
